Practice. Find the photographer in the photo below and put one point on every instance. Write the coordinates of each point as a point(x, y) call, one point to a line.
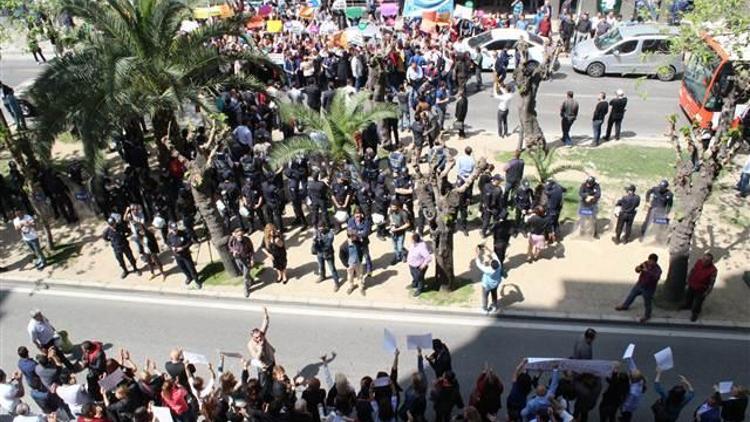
point(649, 273)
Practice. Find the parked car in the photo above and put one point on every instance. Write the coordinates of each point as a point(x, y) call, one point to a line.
point(497, 39)
point(640, 49)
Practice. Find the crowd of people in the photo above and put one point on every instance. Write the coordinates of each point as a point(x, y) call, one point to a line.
point(88, 383)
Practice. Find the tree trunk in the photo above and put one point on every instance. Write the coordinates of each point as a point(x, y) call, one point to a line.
point(444, 274)
point(165, 123)
point(215, 230)
point(530, 134)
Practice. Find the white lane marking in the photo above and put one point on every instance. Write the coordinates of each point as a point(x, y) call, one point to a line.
point(390, 316)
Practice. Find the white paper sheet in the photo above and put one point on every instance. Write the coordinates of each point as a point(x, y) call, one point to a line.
point(422, 341)
point(111, 381)
point(162, 414)
point(389, 341)
point(725, 387)
point(664, 359)
point(236, 355)
point(195, 358)
point(629, 351)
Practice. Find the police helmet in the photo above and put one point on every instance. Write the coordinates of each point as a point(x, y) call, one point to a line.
point(590, 180)
point(630, 188)
point(664, 184)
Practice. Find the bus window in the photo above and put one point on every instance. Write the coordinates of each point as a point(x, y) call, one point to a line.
point(698, 75)
point(714, 102)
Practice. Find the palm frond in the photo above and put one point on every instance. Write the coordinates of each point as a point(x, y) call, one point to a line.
point(287, 150)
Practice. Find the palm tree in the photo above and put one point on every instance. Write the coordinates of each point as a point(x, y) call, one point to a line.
point(547, 164)
point(134, 62)
point(330, 136)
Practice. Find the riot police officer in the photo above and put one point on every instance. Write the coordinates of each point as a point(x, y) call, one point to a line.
point(403, 185)
point(659, 201)
point(370, 168)
point(57, 191)
point(272, 200)
point(493, 203)
point(318, 192)
point(523, 200)
point(381, 202)
point(589, 194)
point(230, 197)
point(363, 198)
point(252, 201)
point(180, 243)
point(117, 234)
point(296, 174)
point(554, 193)
point(627, 208)
point(341, 193)
point(16, 184)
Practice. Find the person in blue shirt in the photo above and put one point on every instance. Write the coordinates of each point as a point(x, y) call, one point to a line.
point(492, 274)
point(359, 226)
point(441, 102)
point(672, 402)
point(517, 7)
point(541, 401)
point(635, 393)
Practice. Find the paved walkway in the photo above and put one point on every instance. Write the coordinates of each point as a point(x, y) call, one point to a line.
point(581, 278)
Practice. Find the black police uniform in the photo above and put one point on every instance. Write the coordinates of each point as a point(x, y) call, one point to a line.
point(660, 201)
point(117, 237)
point(628, 207)
point(340, 191)
point(585, 191)
point(404, 181)
point(272, 200)
point(253, 198)
point(296, 174)
point(493, 206)
point(230, 195)
point(501, 232)
point(179, 240)
point(364, 200)
point(554, 194)
point(318, 192)
point(463, 206)
point(56, 190)
point(381, 201)
point(370, 171)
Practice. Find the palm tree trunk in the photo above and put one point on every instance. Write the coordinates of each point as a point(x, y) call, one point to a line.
point(215, 230)
point(165, 123)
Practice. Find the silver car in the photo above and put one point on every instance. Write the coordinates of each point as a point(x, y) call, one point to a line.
point(640, 49)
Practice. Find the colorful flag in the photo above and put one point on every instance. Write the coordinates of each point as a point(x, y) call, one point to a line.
point(274, 26)
point(255, 22)
point(389, 9)
point(306, 12)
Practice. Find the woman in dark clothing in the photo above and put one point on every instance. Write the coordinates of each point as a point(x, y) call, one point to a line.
point(519, 391)
point(274, 244)
point(440, 359)
point(487, 395)
point(671, 403)
point(614, 396)
point(314, 396)
point(733, 408)
point(445, 395)
point(587, 389)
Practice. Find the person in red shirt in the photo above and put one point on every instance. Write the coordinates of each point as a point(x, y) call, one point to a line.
point(174, 396)
point(545, 27)
point(649, 273)
point(700, 283)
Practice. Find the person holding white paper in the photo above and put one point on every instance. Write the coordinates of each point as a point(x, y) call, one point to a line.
point(415, 396)
point(440, 359)
point(733, 408)
point(541, 401)
point(671, 403)
point(710, 410)
point(635, 392)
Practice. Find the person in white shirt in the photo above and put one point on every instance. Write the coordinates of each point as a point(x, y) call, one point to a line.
point(25, 224)
point(414, 75)
point(11, 391)
point(74, 395)
point(23, 414)
point(41, 332)
point(505, 97)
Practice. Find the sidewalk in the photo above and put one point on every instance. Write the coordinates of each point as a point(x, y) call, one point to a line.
point(582, 279)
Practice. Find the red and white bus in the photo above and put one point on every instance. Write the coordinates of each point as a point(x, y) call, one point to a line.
point(702, 83)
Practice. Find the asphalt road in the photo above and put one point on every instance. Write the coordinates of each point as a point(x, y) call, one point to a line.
point(650, 100)
point(152, 325)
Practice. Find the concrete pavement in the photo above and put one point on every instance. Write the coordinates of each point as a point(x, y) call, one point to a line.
point(149, 326)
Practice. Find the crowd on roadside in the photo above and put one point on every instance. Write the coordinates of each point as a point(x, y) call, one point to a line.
point(89, 383)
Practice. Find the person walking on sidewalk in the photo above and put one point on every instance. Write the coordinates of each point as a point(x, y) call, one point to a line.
point(492, 274)
point(116, 234)
point(616, 114)
point(649, 274)
point(25, 224)
point(323, 249)
point(418, 258)
point(504, 96)
point(701, 282)
point(462, 108)
point(568, 115)
point(600, 112)
point(242, 250)
point(180, 243)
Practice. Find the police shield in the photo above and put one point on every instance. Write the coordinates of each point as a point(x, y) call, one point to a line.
point(658, 226)
point(587, 220)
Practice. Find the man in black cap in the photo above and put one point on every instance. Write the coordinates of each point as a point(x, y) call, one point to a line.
point(625, 213)
point(589, 194)
point(252, 201)
point(296, 174)
point(493, 203)
point(554, 193)
point(658, 203)
point(272, 200)
point(116, 234)
point(523, 200)
point(230, 196)
point(180, 243)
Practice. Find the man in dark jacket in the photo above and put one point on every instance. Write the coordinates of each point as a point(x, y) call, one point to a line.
point(117, 234)
point(242, 250)
point(568, 115)
point(323, 249)
point(628, 206)
point(462, 108)
point(600, 112)
point(616, 114)
point(554, 193)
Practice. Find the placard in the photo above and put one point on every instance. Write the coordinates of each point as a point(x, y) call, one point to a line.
point(421, 341)
point(389, 341)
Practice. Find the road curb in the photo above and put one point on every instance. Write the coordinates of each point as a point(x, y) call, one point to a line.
point(551, 316)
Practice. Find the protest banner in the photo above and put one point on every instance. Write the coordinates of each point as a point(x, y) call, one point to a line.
point(415, 8)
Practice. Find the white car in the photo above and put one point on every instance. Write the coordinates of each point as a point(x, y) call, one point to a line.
point(495, 40)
